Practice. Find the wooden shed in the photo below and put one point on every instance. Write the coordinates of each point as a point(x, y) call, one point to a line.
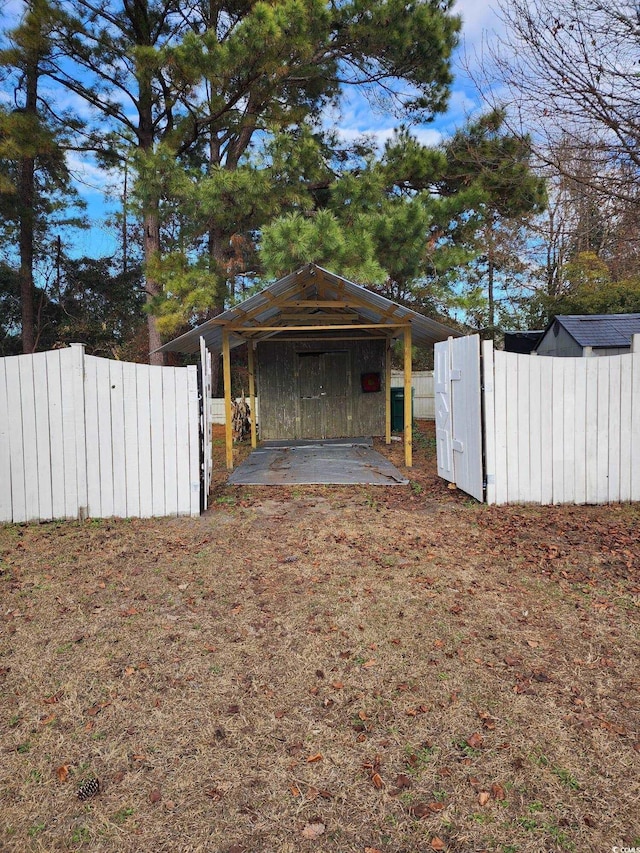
point(319, 350)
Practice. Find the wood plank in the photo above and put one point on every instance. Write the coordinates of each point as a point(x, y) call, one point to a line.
point(183, 490)
point(131, 444)
point(226, 372)
point(143, 416)
point(118, 439)
point(603, 430)
point(387, 391)
point(43, 439)
point(56, 431)
point(635, 420)
point(92, 430)
point(105, 445)
point(14, 405)
point(546, 429)
point(408, 402)
point(252, 393)
point(156, 412)
point(170, 440)
point(29, 437)
point(614, 429)
point(522, 403)
point(489, 417)
point(500, 404)
point(568, 430)
point(536, 401)
point(626, 434)
point(511, 433)
point(557, 433)
point(338, 327)
point(591, 430)
point(580, 431)
point(6, 511)
point(204, 418)
point(69, 438)
point(77, 358)
point(194, 441)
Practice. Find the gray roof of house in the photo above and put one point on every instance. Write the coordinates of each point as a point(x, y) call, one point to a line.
point(601, 330)
point(424, 330)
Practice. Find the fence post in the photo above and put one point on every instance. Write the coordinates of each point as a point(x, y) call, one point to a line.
point(80, 429)
point(488, 410)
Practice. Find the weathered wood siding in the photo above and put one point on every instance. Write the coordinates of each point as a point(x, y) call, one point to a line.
point(88, 437)
point(292, 403)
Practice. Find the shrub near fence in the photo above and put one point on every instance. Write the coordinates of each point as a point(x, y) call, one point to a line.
point(82, 436)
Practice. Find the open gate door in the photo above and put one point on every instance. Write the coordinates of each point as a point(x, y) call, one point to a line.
point(205, 420)
point(459, 413)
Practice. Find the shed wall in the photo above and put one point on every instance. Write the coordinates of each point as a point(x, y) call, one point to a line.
point(289, 409)
point(561, 344)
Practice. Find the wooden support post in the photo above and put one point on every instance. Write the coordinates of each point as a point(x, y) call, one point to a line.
point(226, 373)
point(408, 425)
point(387, 392)
point(252, 392)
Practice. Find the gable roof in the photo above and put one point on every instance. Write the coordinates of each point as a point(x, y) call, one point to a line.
point(303, 300)
point(600, 330)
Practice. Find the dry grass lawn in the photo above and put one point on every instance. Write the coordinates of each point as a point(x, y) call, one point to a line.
point(339, 669)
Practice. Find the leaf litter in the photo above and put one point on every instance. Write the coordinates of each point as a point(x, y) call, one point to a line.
point(477, 686)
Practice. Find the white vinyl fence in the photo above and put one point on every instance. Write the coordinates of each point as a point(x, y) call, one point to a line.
point(88, 437)
point(423, 393)
point(554, 431)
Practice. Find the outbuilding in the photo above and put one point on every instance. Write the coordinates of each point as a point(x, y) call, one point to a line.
point(319, 349)
point(589, 335)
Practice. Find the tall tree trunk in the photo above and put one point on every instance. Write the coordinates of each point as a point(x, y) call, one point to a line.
point(152, 250)
point(26, 190)
point(490, 282)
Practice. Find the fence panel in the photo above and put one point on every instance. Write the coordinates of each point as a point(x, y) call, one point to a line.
point(561, 430)
point(82, 436)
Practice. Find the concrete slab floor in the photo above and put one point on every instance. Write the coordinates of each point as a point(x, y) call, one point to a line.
point(337, 462)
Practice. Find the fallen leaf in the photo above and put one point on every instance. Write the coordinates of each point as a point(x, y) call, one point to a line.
point(129, 670)
point(313, 830)
point(155, 796)
point(130, 612)
point(377, 781)
point(483, 798)
point(438, 843)
point(44, 721)
point(420, 810)
point(403, 781)
point(436, 807)
point(372, 850)
point(169, 805)
point(62, 772)
point(316, 757)
point(475, 741)
point(369, 663)
point(497, 792)
point(295, 791)
point(52, 700)
point(337, 685)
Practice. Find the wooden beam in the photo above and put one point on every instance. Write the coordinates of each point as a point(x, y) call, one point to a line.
point(226, 373)
point(408, 426)
point(314, 328)
point(323, 303)
point(387, 394)
point(252, 393)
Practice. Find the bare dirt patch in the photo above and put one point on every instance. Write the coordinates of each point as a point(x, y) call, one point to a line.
point(323, 669)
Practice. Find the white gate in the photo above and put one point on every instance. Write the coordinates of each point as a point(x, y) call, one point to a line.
point(206, 420)
point(459, 413)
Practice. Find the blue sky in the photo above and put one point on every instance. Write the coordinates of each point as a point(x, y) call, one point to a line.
point(480, 25)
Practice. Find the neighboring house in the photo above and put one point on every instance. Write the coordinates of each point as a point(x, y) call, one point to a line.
point(522, 342)
point(589, 335)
